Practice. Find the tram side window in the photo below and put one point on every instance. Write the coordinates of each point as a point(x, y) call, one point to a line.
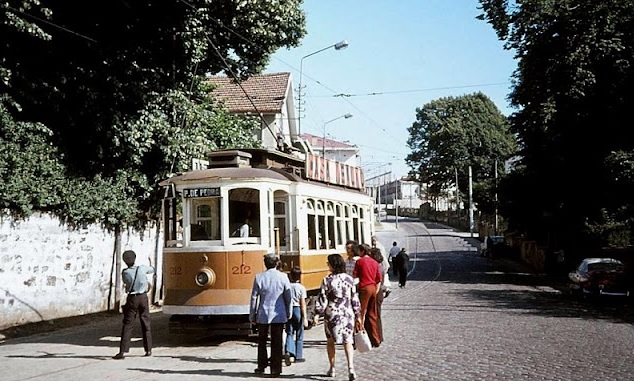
point(347, 222)
point(340, 223)
point(172, 212)
point(244, 212)
point(312, 231)
point(361, 224)
point(330, 215)
point(279, 208)
point(205, 223)
point(355, 224)
point(321, 225)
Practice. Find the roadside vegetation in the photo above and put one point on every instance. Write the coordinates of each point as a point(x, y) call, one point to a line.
point(571, 181)
point(101, 100)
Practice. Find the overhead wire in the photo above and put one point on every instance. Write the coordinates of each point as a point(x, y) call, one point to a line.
point(222, 25)
point(54, 25)
point(233, 75)
point(344, 96)
point(416, 90)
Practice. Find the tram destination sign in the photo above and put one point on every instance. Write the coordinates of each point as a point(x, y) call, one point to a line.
point(201, 192)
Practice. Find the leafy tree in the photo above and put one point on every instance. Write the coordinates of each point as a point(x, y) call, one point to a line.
point(126, 80)
point(26, 158)
point(573, 94)
point(450, 134)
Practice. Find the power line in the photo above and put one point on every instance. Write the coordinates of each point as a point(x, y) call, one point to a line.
point(50, 23)
point(416, 90)
point(233, 75)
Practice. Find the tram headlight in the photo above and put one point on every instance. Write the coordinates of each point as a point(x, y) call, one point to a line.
point(205, 277)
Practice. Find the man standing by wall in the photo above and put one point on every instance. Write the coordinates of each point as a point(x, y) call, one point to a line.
point(136, 285)
point(270, 309)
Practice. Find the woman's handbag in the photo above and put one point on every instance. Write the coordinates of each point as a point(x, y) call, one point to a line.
point(362, 341)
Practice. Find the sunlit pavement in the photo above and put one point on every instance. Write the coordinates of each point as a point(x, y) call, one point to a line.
point(460, 317)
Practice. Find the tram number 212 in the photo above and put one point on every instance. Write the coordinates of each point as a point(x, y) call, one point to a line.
point(241, 270)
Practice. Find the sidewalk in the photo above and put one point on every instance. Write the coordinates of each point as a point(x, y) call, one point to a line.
point(85, 351)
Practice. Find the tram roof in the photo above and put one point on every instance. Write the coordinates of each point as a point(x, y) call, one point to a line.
point(246, 173)
point(229, 174)
point(253, 164)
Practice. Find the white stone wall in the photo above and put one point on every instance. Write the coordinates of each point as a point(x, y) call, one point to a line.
point(48, 271)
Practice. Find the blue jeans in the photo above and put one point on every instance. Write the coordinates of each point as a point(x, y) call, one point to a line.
point(295, 334)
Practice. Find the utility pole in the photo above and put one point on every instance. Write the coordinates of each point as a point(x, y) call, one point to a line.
point(495, 227)
point(379, 201)
point(471, 225)
point(457, 195)
point(396, 203)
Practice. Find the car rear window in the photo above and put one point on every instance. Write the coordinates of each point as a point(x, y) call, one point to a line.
point(605, 267)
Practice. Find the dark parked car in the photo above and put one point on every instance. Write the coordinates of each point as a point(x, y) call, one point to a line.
point(599, 277)
point(495, 246)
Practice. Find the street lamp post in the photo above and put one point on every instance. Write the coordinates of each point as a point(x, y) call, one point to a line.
point(338, 46)
point(323, 140)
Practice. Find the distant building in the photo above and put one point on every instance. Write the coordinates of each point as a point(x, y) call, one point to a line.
point(333, 150)
point(403, 192)
point(271, 97)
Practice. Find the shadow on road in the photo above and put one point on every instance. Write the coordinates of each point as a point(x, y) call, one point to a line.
point(509, 285)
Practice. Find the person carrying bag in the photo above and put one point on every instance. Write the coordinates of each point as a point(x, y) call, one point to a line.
point(339, 304)
point(362, 340)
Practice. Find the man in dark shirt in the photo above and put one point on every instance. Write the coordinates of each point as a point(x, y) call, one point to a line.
point(401, 264)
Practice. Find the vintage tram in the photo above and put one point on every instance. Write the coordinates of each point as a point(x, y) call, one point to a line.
point(300, 208)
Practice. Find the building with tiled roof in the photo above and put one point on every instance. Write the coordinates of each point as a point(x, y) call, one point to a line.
point(333, 149)
point(270, 95)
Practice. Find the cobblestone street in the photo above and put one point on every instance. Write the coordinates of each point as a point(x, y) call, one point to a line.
point(460, 317)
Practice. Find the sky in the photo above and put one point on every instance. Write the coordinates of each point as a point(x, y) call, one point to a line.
point(402, 54)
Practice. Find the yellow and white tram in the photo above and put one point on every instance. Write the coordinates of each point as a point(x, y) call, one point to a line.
point(301, 209)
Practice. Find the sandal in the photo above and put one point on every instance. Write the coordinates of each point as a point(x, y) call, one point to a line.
point(352, 376)
point(331, 372)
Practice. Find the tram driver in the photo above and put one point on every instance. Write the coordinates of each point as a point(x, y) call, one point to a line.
point(244, 230)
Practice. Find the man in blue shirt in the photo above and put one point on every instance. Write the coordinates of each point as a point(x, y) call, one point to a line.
point(136, 285)
point(270, 309)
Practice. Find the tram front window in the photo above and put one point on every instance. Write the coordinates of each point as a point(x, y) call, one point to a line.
point(205, 223)
point(244, 212)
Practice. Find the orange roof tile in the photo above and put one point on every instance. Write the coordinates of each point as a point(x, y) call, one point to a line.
point(267, 92)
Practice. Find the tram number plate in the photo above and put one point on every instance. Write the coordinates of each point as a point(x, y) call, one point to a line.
point(176, 270)
point(241, 270)
point(201, 192)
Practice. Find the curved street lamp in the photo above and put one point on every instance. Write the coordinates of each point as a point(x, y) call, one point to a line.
point(338, 46)
point(323, 140)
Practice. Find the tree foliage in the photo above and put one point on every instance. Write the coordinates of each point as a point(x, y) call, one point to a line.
point(573, 94)
point(115, 91)
point(454, 133)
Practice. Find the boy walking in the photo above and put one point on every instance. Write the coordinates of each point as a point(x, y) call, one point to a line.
point(298, 321)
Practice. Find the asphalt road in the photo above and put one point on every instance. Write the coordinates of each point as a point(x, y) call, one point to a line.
point(461, 317)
